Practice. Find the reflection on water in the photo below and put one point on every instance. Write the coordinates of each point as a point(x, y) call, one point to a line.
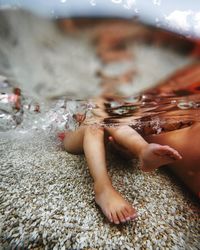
point(150, 113)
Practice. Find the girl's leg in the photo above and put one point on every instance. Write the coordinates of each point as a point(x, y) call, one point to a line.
point(151, 155)
point(91, 141)
point(187, 142)
point(73, 141)
point(110, 201)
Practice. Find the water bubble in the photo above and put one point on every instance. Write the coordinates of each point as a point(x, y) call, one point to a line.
point(173, 101)
point(157, 20)
point(185, 105)
point(6, 121)
point(129, 4)
point(53, 14)
point(197, 105)
point(132, 99)
point(156, 125)
point(157, 2)
point(117, 1)
point(120, 111)
point(14, 108)
point(93, 2)
point(147, 98)
point(3, 82)
point(90, 106)
point(136, 10)
point(115, 104)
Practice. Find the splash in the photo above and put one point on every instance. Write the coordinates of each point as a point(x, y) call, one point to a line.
point(21, 112)
point(147, 113)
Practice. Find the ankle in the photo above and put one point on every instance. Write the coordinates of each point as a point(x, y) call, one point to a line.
point(100, 186)
point(138, 147)
point(142, 150)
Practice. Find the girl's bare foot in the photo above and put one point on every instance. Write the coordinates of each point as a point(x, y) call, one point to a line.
point(156, 155)
point(113, 205)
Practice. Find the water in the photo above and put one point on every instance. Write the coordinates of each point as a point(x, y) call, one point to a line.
point(23, 113)
point(152, 112)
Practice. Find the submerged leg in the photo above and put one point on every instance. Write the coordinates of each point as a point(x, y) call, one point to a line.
point(187, 142)
point(110, 201)
point(151, 155)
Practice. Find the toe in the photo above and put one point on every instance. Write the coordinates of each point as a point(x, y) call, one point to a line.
point(121, 216)
point(177, 155)
point(115, 218)
point(172, 153)
point(109, 216)
point(162, 150)
point(168, 151)
point(131, 212)
point(126, 214)
point(134, 216)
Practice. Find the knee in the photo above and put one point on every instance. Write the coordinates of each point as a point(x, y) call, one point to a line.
point(68, 144)
point(92, 134)
point(94, 131)
point(68, 147)
point(121, 131)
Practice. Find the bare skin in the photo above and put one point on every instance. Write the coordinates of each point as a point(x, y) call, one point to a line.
point(187, 168)
point(91, 141)
point(152, 155)
point(187, 142)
